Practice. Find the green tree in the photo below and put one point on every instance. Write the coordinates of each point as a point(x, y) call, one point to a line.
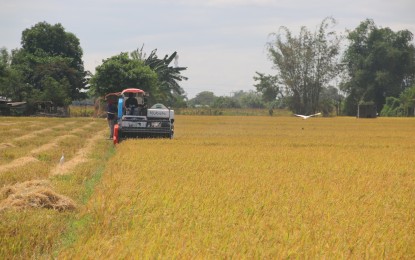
point(48, 51)
point(330, 99)
point(268, 86)
point(168, 76)
point(226, 102)
point(305, 64)
point(4, 71)
point(4, 61)
point(54, 41)
point(12, 84)
point(407, 99)
point(249, 99)
point(392, 107)
point(120, 72)
point(402, 106)
point(380, 64)
point(55, 91)
point(204, 98)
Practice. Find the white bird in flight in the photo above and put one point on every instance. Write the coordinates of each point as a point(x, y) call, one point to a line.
point(306, 117)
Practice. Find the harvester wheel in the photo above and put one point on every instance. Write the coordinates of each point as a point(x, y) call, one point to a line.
point(116, 134)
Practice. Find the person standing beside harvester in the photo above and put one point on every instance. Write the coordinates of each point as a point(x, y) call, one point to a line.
point(111, 116)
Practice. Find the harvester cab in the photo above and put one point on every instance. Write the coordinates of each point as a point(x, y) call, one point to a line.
point(136, 120)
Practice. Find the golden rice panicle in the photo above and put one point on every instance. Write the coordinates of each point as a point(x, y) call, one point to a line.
point(258, 187)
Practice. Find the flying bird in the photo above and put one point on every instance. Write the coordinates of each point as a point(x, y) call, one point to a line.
point(306, 117)
point(62, 160)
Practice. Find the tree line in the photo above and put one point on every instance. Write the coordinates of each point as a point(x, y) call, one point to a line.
point(314, 71)
point(317, 72)
point(239, 99)
point(313, 74)
point(49, 67)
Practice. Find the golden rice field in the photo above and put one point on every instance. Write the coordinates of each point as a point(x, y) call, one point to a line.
point(225, 187)
point(40, 198)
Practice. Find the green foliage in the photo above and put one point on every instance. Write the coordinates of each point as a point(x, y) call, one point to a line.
point(402, 106)
point(329, 100)
point(204, 98)
point(49, 51)
point(4, 61)
point(240, 99)
point(249, 99)
point(177, 101)
point(48, 66)
point(53, 41)
point(407, 98)
point(268, 86)
point(120, 72)
point(11, 79)
point(226, 102)
point(168, 76)
point(305, 64)
point(55, 91)
point(231, 111)
point(135, 70)
point(380, 63)
point(392, 107)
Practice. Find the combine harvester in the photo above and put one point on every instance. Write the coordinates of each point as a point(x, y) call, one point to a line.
point(136, 120)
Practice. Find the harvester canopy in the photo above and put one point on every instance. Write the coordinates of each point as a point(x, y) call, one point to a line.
point(132, 90)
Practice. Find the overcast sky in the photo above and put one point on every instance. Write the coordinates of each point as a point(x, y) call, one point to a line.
point(221, 42)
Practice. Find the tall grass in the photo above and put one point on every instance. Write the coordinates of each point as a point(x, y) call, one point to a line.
point(82, 111)
point(257, 187)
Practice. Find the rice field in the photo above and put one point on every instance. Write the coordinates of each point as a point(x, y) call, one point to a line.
point(39, 197)
point(225, 187)
point(258, 187)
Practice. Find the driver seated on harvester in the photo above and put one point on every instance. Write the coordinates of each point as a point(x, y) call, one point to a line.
point(131, 104)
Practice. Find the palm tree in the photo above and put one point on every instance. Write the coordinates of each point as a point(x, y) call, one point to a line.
point(168, 76)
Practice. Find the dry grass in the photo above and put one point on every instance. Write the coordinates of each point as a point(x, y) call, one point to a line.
point(257, 187)
point(37, 207)
point(33, 194)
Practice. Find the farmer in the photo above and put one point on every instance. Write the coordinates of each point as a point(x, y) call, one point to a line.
point(111, 116)
point(131, 103)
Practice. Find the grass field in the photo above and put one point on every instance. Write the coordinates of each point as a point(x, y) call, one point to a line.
point(240, 187)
